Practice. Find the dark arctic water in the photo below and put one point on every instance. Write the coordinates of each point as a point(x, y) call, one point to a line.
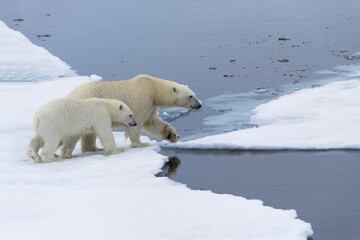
point(217, 47)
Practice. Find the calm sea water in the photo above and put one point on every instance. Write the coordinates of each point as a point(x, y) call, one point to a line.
point(217, 47)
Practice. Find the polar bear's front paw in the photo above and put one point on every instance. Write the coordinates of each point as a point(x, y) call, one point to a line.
point(170, 134)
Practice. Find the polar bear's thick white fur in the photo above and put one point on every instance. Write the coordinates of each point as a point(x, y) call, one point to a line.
point(144, 94)
point(64, 121)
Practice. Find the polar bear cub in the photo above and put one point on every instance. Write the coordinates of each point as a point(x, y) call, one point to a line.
point(64, 121)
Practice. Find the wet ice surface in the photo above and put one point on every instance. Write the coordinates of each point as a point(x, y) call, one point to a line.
point(324, 117)
point(236, 111)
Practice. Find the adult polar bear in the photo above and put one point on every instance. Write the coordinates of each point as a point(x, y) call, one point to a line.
point(144, 94)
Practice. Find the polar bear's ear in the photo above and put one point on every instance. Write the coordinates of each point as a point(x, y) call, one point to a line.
point(174, 89)
point(120, 107)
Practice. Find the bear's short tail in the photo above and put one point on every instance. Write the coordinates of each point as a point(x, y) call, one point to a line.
point(32, 151)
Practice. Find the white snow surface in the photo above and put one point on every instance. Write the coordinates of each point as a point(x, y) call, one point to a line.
point(20, 60)
point(106, 197)
point(325, 117)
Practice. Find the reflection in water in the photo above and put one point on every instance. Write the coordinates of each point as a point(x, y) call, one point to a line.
point(170, 167)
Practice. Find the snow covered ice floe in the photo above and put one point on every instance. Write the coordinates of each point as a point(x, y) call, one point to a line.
point(20, 60)
point(106, 197)
point(324, 117)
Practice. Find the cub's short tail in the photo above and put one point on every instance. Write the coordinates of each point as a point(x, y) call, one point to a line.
point(32, 151)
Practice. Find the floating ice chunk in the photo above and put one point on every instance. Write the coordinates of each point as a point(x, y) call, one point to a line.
point(261, 90)
point(94, 77)
point(171, 114)
point(357, 54)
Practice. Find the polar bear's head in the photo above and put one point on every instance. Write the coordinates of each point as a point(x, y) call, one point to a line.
point(124, 115)
point(185, 98)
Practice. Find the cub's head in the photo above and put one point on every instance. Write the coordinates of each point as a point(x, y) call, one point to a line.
point(125, 115)
point(185, 98)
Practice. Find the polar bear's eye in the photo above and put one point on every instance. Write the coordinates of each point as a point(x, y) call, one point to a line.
point(120, 107)
point(190, 96)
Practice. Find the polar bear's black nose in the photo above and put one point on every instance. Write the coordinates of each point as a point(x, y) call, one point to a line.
point(196, 106)
point(132, 124)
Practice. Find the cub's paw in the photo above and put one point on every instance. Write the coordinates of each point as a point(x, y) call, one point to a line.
point(37, 159)
point(170, 134)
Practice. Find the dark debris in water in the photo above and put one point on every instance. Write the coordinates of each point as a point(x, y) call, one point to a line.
point(283, 60)
point(18, 20)
point(284, 39)
point(43, 35)
point(249, 125)
point(223, 110)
